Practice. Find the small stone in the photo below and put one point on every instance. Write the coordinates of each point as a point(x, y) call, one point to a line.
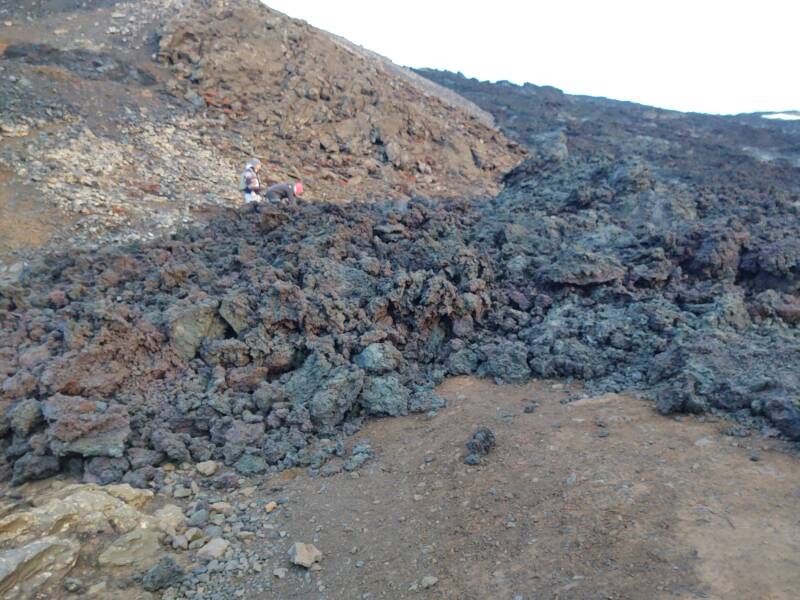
point(222, 507)
point(271, 506)
point(529, 408)
point(197, 544)
point(214, 549)
point(304, 555)
point(97, 589)
point(755, 457)
point(198, 518)
point(207, 468)
point(472, 459)
point(181, 492)
point(280, 572)
point(603, 434)
point(481, 442)
point(73, 585)
point(428, 582)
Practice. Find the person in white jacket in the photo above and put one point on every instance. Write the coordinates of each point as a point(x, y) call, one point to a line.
point(249, 183)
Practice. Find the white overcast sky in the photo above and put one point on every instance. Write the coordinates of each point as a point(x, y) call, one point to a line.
point(701, 55)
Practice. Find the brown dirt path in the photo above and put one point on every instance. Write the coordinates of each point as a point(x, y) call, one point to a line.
point(655, 509)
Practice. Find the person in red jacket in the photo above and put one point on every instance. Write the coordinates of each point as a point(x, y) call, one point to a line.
point(284, 191)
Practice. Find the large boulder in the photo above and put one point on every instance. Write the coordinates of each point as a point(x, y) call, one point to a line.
point(582, 268)
point(236, 311)
point(327, 392)
point(785, 414)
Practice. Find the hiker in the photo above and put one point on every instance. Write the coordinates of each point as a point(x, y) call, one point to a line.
point(284, 191)
point(249, 183)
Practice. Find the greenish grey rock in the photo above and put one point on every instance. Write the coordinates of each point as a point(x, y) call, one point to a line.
point(250, 464)
point(385, 396)
point(379, 358)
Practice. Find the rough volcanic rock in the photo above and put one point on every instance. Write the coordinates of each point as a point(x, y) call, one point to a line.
point(31, 467)
point(86, 427)
point(379, 358)
point(385, 396)
point(663, 260)
point(25, 416)
point(258, 343)
point(505, 362)
point(166, 573)
point(479, 445)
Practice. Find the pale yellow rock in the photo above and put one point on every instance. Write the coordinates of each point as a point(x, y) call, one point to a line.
point(23, 570)
point(222, 507)
point(130, 495)
point(140, 547)
point(73, 509)
point(170, 518)
point(207, 468)
point(271, 506)
point(304, 555)
point(213, 549)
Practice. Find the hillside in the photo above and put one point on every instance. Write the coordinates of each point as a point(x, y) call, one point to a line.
point(121, 121)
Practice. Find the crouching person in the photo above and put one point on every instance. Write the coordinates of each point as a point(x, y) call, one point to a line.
point(285, 192)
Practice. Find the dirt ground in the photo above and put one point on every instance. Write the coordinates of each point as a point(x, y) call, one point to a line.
point(589, 498)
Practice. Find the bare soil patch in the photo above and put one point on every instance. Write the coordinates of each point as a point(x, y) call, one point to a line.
point(654, 509)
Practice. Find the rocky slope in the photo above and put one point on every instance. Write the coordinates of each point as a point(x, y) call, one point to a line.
point(306, 97)
point(171, 118)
